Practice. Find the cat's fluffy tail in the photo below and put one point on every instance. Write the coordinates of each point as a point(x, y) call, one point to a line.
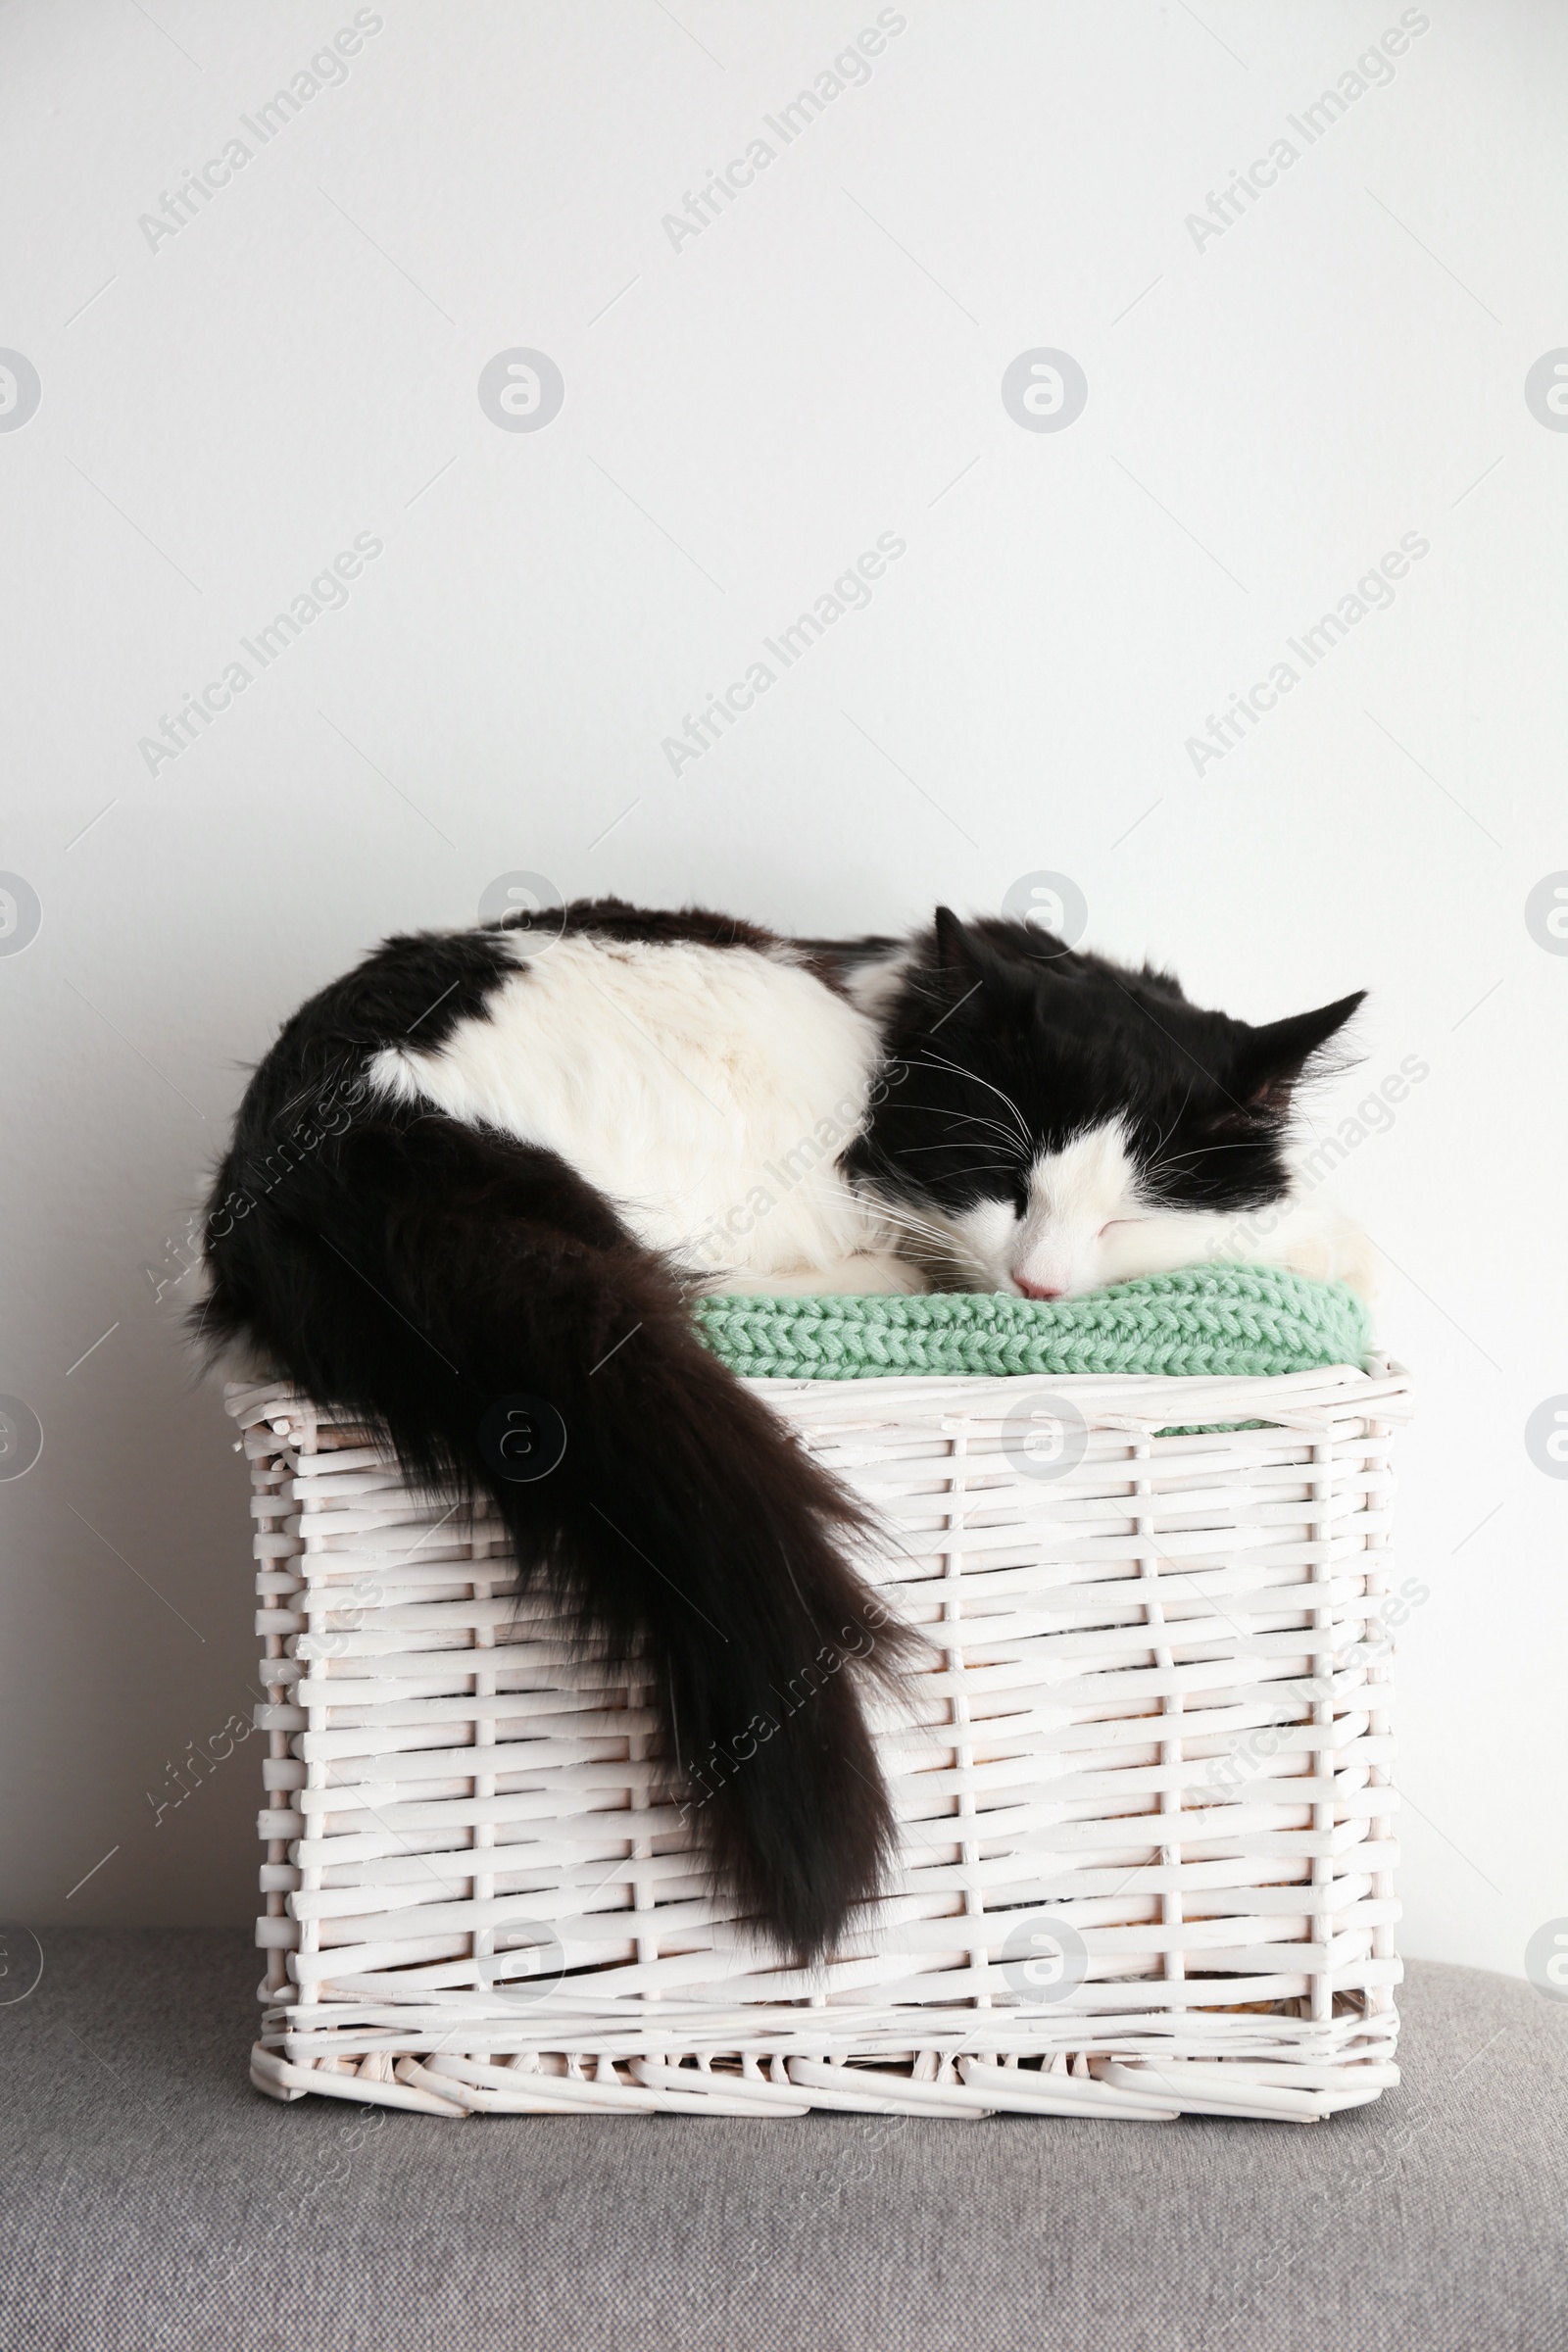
point(426, 1275)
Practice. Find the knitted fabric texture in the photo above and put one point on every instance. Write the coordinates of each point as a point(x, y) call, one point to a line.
point(1217, 1321)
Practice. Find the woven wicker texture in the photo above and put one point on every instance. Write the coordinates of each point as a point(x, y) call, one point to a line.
point(1143, 1780)
point(1245, 1321)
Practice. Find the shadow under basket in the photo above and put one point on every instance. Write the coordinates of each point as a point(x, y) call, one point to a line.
point(1143, 1777)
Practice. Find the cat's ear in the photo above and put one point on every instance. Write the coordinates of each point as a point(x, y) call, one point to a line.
point(1270, 1062)
point(963, 959)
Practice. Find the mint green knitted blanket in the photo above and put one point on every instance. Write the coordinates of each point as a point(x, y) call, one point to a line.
point(1220, 1321)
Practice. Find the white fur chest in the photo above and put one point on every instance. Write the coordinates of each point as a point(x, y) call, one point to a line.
point(707, 1091)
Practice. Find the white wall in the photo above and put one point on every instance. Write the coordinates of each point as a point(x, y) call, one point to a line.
point(1270, 409)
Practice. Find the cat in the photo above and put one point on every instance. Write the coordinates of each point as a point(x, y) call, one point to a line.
point(496, 1164)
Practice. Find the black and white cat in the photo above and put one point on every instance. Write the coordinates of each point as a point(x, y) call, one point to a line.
point(500, 1161)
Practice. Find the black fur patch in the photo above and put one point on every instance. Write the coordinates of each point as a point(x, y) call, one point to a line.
point(835, 961)
point(615, 918)
point(1005, 1044)
point(415, 1270)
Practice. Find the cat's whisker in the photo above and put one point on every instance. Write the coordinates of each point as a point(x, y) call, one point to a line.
point(906, 1219)
point(919, 1228)
point(940, 1063)
point(951, 1261)
point(962, 1118)
point(931, 1237)
point(1174, 1123)
point(1173, 1159)
point(955, 1143)
point(823, 1184)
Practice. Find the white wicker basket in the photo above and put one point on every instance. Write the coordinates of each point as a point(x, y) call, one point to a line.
point(1143, 1785)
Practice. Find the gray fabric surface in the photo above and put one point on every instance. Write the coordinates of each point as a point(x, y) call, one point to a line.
point(152, 2198)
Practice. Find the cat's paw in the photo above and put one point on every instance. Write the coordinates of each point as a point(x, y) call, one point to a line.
point(1327, 1246)
point(864, 1275)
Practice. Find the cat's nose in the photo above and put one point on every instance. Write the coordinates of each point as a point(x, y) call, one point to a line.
point(1034, 1289)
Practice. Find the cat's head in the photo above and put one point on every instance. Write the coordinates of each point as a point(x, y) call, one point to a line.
point(1050, 1121)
